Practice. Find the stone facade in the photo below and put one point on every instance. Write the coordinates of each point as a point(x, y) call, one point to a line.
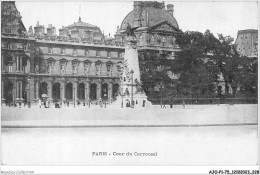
point(79, 64)
point(247, 42)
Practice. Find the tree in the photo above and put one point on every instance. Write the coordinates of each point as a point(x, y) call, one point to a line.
point(152, 77)
point(197, 75)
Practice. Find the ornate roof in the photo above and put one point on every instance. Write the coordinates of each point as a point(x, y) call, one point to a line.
point(150, 14)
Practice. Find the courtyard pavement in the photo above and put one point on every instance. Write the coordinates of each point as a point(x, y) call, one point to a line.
point(192, 115)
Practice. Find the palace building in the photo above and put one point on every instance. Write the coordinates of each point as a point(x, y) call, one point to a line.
point(247, 43)
point(79, 64)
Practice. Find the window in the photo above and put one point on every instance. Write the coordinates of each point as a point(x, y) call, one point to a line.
point(24, 46)
point(19, 64)
point(63, 69)
point(109, 54)
point(87, 67)
point(50, 67)
point(74, 52)
point(108, 67)
point(10, 67)
point(75, 64)
point(98, 53)
point(75, 68)
point(86, 52)
point(62, 51)
point(8, 46)
point(8, 29)
point(49, 50)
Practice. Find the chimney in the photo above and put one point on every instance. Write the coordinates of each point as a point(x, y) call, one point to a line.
point(30, 31)
point(51, 30)
point(170, 8)
point(39, 29)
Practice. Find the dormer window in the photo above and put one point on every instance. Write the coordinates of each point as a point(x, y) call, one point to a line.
point(62, 51)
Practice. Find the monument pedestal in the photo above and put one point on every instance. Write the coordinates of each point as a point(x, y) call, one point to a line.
point(130, 88)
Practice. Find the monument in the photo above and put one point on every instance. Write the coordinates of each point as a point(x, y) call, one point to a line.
point(131, 92)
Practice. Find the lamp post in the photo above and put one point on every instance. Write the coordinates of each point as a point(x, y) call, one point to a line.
point(161, 84)
point(74, 97)
point(29, 99)
point(122, 93)
point(132, 90)
point(105, 99)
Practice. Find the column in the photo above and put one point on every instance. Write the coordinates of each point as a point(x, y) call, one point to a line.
point(17, 61)
point(17, 90)
point(50, 82)
point(21, 63)
point(76, 89)
point(87, 90)
point(110, 89)
point(37, 89)
point(2, 90)
point(21, 90)
point(98, 90)
point(63, 86)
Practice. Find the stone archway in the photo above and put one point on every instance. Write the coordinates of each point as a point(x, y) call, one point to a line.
point(56, 91)
point(8, 89)
point(115, 90)
point(93, 91)
point(81, 91)
point(43, 89)
point(69, 91)
point(104, 91)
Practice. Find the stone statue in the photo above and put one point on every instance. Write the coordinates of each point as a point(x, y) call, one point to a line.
point(37, 68)
point(86, 71)
point(50, 68)
point(98, 69)
point(62, 69)
point(74, 69)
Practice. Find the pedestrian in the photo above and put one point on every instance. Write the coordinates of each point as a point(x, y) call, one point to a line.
point(164, 106)
point(39, 102)
point(64, 102)
point(143, 103)
point(100, 103)
point(183, 104)
point(68, 103)
point(171, 105)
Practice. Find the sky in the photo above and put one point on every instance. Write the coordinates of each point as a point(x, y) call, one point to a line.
point(219, 17)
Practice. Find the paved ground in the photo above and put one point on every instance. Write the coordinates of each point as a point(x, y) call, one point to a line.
point(69, 117)
point(221, 145)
